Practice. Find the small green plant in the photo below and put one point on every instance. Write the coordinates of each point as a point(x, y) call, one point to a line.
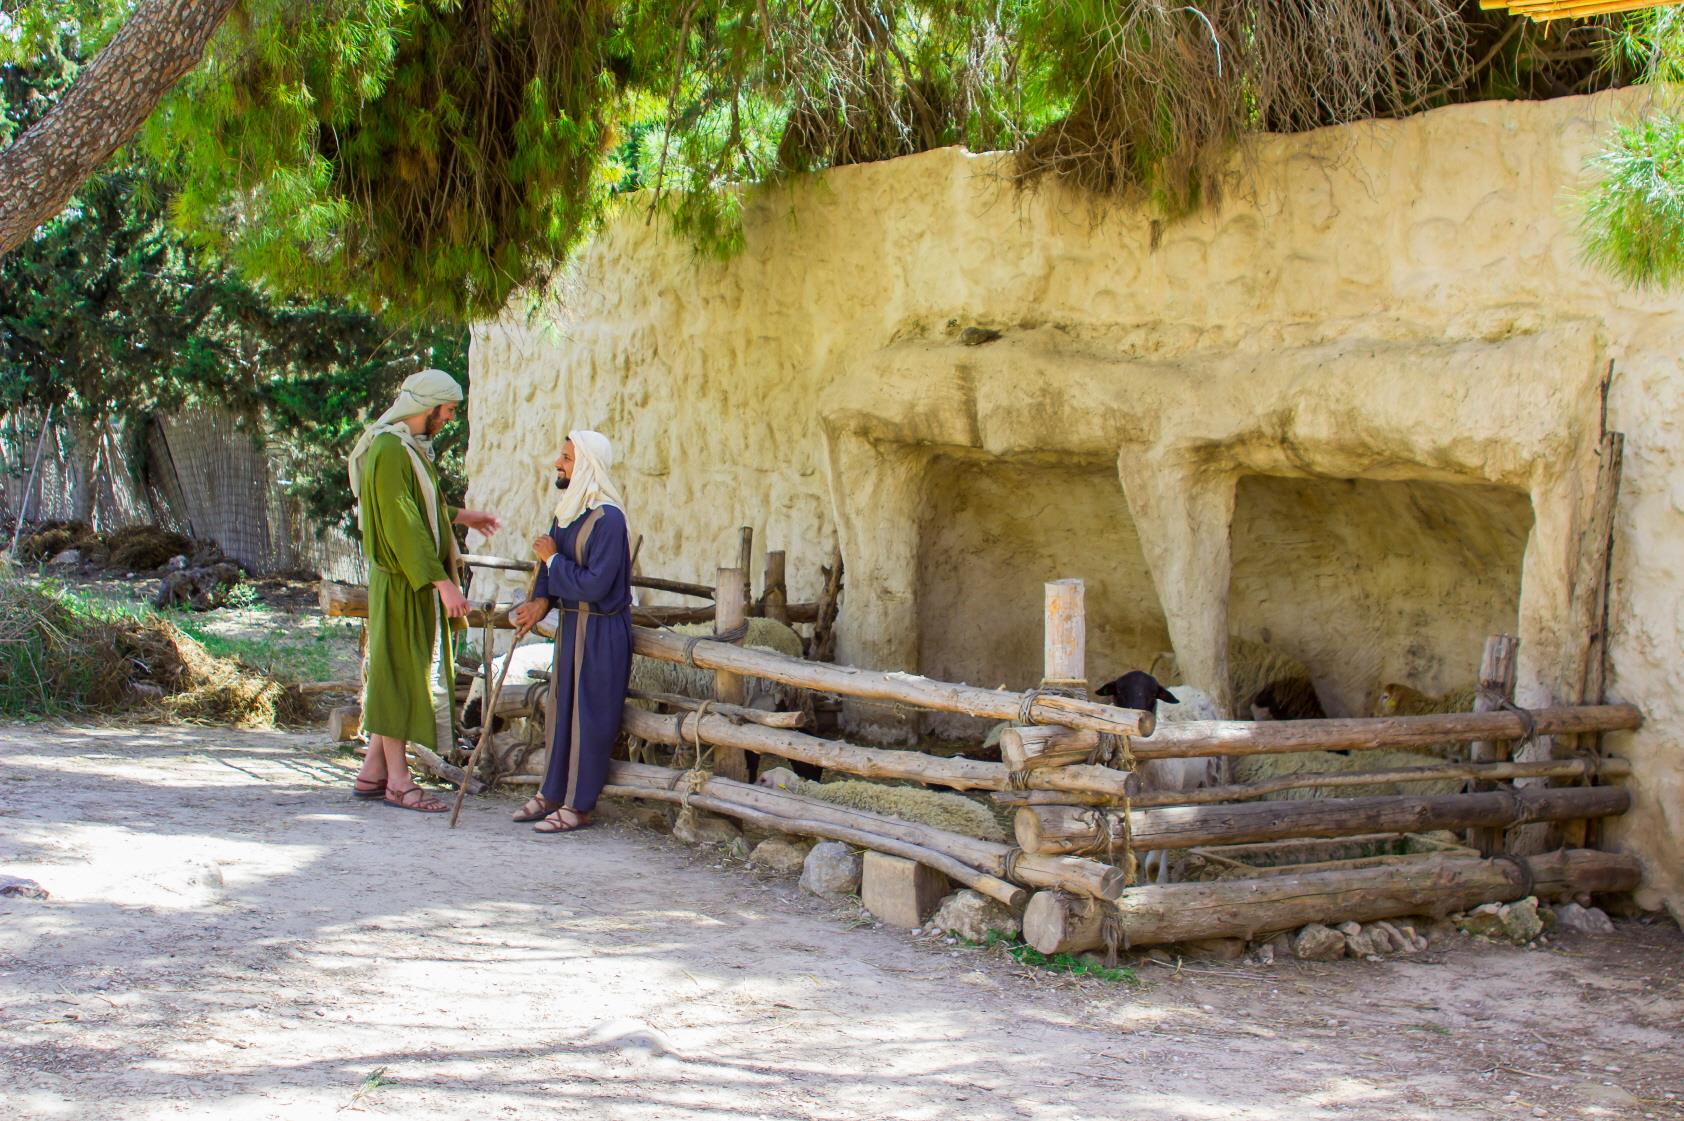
point(241, 596)
point(1025, 954)
point(1632, 223)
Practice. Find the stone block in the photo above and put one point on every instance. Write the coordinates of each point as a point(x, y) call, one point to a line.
point(783, 855)
point(1317, 942)
point(901, 892)
point(1575, 919)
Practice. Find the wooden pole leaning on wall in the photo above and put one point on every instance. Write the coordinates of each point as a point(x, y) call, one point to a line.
point(1496, 687)
point(1056, 922)
point(745, 562)
point(732, 601)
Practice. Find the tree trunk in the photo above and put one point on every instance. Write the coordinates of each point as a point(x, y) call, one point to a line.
point(101, 111)
point(79, 467)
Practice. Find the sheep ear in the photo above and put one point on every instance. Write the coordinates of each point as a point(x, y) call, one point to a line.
point(1166, 696)
point(1106, 690)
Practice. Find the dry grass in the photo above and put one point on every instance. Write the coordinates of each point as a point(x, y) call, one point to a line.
point(65, 652)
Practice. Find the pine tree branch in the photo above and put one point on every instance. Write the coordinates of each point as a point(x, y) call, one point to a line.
point(101, 111)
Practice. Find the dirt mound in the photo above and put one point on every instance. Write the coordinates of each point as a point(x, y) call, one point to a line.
point(63, 652)
point(143, 548)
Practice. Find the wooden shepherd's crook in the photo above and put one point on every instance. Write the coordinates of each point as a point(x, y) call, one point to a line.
point(488, 707)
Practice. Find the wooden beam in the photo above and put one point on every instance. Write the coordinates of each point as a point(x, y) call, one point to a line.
point(1068, 873)
point(730, 762)
point(904, 688)
point(1483, 772)
point(1074, 829)
point(1268, 737)
point(1157, 913)
point(869, 762)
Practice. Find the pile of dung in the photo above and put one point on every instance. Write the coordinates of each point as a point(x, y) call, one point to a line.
point(144, 548)
point(49, 539)
point(61, 652)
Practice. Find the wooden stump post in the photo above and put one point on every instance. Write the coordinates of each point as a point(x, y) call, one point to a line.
point(745, 562)
point(775, 594)
point(1065, 649)
point(732, 602)
point(1496, 685)
point(345, 723)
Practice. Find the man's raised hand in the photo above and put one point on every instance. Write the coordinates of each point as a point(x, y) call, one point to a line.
point(481, 520)
point(543, 547)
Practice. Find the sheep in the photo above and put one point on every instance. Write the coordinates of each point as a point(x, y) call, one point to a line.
point(1259, 768)
point(1397, 699)
point(1187, 704)
point(1268, 684)
point(652, 676)
point(952, 812)
point(1400, 700)
point(1265, 683)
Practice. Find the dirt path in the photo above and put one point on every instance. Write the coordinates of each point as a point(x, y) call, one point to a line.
point(230, 936)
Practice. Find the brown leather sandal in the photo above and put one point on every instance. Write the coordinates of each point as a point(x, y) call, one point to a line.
point(536, 807)
point(555, 823)
point(422, 801)
point(367, 791)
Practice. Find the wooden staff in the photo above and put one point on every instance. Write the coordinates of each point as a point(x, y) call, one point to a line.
point(488, 706)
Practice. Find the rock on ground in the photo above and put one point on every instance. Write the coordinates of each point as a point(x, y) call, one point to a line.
point(832, 868)
point(780, 854)
point(1583, 920)
point(704, 829)
point(1316, 942)
point(973, 916)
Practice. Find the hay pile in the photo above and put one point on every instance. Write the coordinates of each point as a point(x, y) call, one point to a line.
point(49, 539)
point(62, 652)
point(144, 548)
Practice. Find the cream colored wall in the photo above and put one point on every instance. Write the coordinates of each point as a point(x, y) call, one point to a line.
point(1385, 302)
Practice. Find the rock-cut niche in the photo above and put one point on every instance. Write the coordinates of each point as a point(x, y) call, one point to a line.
point(1368, 582)
point(994, 530)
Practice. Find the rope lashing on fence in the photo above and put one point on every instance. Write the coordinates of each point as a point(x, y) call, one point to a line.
point(1528, 722)
point(1529, 879)
point(734, 635)
point(1111, 930)
point(1008, 863)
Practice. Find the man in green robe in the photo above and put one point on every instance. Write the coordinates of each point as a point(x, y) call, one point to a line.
point(412, 567)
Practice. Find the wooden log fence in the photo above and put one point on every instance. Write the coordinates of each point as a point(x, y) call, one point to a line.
point(1060, 922)
point(1069, 809)
point(868, 762)
point(1074, 829)
point(1068, 873)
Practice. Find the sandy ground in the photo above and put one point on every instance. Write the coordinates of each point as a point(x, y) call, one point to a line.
point(230, 936)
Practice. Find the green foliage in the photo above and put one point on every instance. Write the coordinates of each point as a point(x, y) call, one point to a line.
point(420, 158)
point(1025, 954)
point(1632, 222)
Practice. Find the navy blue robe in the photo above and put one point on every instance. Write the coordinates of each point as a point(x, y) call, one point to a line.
point(593, 656)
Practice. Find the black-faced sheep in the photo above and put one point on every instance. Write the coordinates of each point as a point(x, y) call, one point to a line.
point(1185, 705)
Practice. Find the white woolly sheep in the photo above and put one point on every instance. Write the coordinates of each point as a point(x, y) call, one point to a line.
point(1177, 775)
point(952, 812)
point(1402, 700)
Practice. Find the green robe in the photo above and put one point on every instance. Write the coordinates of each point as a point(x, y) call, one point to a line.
point(411, 671)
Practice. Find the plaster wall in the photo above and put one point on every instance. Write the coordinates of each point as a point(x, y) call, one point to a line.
point(1392, 302)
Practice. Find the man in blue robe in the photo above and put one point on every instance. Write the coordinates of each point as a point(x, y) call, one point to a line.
point(587, 574)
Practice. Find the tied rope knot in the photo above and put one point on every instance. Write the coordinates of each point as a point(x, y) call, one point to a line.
point(1528, 879)
point(1528, 722)
point(734, 635)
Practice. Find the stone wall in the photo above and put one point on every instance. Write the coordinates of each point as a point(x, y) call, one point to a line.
point(1353, 412)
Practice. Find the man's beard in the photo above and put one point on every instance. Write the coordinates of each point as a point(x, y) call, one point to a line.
point(561, 482)
point(435, 423)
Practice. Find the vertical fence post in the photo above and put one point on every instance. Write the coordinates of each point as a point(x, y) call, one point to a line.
point(1065, 654)
point(1496, 686)
point(731, 610)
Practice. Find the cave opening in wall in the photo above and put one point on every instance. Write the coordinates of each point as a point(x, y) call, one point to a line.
point(994, 530)
point(1369, 582)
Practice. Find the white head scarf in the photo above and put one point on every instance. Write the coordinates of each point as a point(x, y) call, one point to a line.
point(420, 392)
point(590, 485)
